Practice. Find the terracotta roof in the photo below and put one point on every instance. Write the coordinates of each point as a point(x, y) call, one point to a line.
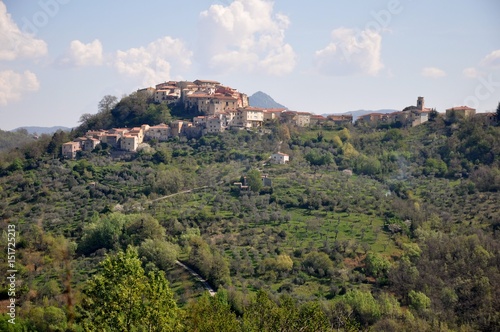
point(461, 108)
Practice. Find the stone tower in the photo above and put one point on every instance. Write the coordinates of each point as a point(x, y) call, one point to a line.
point(420, 103)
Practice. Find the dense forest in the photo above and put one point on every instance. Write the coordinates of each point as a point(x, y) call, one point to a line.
point(366, 229)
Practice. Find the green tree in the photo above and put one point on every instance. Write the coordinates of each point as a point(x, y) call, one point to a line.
point(211, 314)
point(254, 180)
point(160, 252)
point(48, 319)
point(377, 265)
point(419, 301)
point(120, 297)
point(104, 232)
point(365, 306)
point(140, 227)
point(318, 264)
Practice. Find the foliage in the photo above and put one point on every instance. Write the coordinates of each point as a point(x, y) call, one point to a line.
point(121, 297)
point(254, 180)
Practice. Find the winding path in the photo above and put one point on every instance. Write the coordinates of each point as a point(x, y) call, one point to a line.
point(205, 283)
point(178, 193)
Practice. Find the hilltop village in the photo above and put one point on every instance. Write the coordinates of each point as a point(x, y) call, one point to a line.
point(225, 108)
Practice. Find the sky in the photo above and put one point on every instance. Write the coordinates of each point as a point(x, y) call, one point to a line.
point(59, 58)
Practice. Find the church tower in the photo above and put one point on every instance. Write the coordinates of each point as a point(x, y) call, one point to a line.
point(420, 103)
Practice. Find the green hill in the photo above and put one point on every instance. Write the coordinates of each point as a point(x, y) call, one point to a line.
point(409, 241)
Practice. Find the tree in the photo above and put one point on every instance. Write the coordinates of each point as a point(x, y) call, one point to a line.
point(107, 103)
point(141, 227)
point(211, 314)
point(419, 301)
point(104, 232)
point(498, 114)
point(120, 297)
point(377, 265)
point(254, 180)
point(160, 252)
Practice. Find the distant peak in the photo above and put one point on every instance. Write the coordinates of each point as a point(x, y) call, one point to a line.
point(262, 99)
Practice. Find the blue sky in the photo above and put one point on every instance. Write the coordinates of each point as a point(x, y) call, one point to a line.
point(58, 58)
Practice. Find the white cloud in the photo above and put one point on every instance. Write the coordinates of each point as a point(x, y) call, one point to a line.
point(154, 62)
point(80, 54)
point(492, 60)
point(245, 35)
point(12, 85)
point(350, 52)
point(471, 72)
point(16, 44)
point(433, 72)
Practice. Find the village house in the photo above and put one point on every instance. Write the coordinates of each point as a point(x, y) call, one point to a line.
point(148, 92)
point(488, 119)
point(70, 149)
point(129, 143)
point(303, 119)
point(159, 132)
point(340, 120)
point(373, 119)
point(288, 117)
point(271, 114)
point(317, 120)
point(280, 158)
point(112, 140)
point(214, 124)
point(460, 112)
point(249, 117)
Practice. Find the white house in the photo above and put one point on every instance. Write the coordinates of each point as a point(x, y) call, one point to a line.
point(280, 158)
point(129, 143)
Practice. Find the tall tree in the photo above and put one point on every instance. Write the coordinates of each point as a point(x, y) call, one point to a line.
point(120, 297)
point(107, 103)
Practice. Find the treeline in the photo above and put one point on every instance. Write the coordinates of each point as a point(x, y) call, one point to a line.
point(125, 296)
point(10, 140)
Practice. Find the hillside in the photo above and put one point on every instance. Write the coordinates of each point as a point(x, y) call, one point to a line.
point(261, 99)
point(382, 229)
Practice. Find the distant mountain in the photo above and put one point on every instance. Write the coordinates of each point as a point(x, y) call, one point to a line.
point(358, 113)
point(43, 130)
point(261, 99)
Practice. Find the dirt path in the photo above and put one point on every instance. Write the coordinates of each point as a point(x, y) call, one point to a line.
point(205, 283)
point(180, 192)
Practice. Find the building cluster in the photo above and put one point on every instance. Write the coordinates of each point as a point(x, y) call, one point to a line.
point(416, 115)
point(224, 108)
point(126, 139)
point(465, 112)
point(409, 117)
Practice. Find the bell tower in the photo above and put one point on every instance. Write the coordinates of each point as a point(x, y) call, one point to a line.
point(420, 103)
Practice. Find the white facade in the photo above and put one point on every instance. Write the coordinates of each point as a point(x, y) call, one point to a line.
point(129, 143)
point(280, 158)
point(70, 149)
